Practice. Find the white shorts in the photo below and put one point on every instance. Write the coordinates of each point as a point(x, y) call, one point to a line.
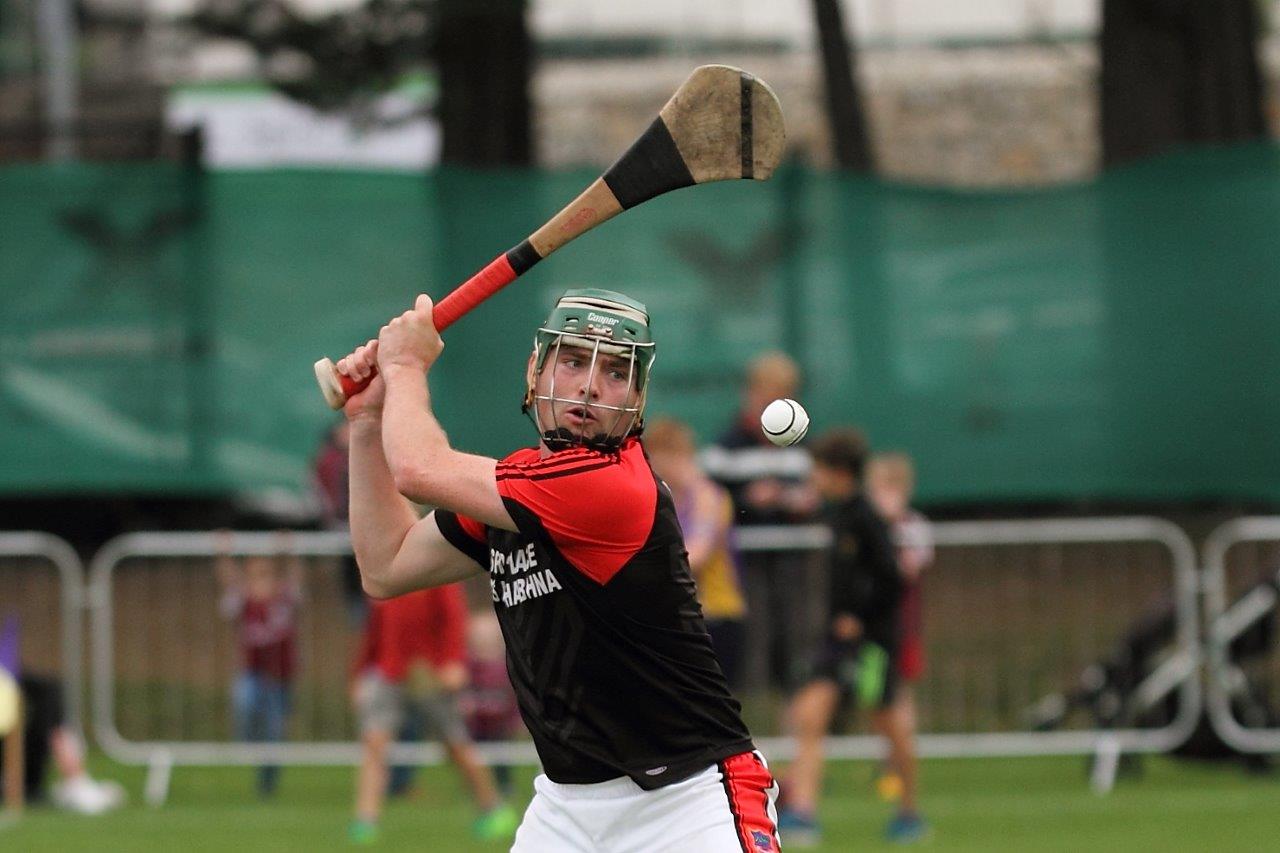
point(727, 808)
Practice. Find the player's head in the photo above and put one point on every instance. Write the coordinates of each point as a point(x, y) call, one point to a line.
point(263, 577)
point(772, 375)
point(839, 456)
point(588, 375)
point(673, 451)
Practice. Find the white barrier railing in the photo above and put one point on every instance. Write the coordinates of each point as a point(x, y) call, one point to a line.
point(161, 755)
point(45, 547)
point(1225, 621)
point(1176, 674)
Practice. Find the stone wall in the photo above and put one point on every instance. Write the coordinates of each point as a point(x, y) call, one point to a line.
point(972, 117)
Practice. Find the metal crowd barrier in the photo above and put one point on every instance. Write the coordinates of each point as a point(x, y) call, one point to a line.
point(980, 543)
point(1227, 620)
point(1176, 675)
point(52, 550)
point(190, 551)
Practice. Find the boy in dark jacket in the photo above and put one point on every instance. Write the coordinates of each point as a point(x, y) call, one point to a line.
point(857, 660)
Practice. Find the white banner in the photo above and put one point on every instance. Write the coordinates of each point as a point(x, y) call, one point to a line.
point(262, 129)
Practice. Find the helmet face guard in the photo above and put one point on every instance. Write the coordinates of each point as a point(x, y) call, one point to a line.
point(603, 326)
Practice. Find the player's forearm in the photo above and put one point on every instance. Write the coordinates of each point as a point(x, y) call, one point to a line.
point(413, 440)
point(380, 517)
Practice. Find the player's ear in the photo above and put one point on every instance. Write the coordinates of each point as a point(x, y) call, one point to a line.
point(528, 381)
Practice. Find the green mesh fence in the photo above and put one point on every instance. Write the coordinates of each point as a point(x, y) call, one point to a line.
point(1111, 340)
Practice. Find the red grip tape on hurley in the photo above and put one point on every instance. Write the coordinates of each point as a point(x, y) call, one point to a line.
point(351, 387)
point(495, 276)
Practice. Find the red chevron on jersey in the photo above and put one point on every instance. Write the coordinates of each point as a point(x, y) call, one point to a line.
point(598, 508)
point(566, 462)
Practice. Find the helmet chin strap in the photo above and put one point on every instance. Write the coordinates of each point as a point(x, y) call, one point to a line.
point(560, 438)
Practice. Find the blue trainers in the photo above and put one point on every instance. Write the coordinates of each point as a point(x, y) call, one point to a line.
point(798, 829)
point(906, 829)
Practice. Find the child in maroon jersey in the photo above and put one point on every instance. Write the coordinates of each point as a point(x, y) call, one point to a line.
point(261, 594)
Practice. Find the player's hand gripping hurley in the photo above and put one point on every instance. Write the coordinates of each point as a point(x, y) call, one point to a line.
point(721, 124)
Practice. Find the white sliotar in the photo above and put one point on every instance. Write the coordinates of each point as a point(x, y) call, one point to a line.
point(784, 422)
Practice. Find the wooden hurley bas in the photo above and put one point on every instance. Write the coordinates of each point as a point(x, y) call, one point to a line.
point(721, 124)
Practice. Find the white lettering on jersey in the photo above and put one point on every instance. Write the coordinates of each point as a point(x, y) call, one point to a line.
point(512, 563)
point(532, 583)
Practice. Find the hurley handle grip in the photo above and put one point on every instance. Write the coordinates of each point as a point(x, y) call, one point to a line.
point(338, 388)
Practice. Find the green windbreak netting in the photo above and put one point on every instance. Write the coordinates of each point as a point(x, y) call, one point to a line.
point(1115, 339)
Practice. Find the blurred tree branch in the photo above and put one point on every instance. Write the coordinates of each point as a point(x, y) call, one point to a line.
point(346, 60)
point(341, 60)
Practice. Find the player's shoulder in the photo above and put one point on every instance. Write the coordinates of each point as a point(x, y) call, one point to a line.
point(523, 456)
point(529, 464)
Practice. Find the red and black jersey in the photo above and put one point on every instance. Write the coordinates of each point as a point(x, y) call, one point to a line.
point(606, 645)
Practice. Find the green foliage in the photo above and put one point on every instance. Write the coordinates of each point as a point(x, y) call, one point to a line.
point(341, 59)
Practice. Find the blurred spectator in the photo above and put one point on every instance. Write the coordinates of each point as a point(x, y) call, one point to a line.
point(414, 652)
point(46, 735)
point(768, 485)
point(489, 702)
point(705, 511)
point(858, 661)
point(891, 485)
point(261, 594)
point(329, 478)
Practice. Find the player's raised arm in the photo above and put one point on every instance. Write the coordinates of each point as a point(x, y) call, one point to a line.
point(425, 559)
point(384, 525)
point(424, 467)
point(396, 551)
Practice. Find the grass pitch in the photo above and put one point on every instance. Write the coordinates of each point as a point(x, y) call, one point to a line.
point(972, 805)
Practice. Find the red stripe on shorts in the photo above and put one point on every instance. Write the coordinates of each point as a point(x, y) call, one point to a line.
point(747, 782)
